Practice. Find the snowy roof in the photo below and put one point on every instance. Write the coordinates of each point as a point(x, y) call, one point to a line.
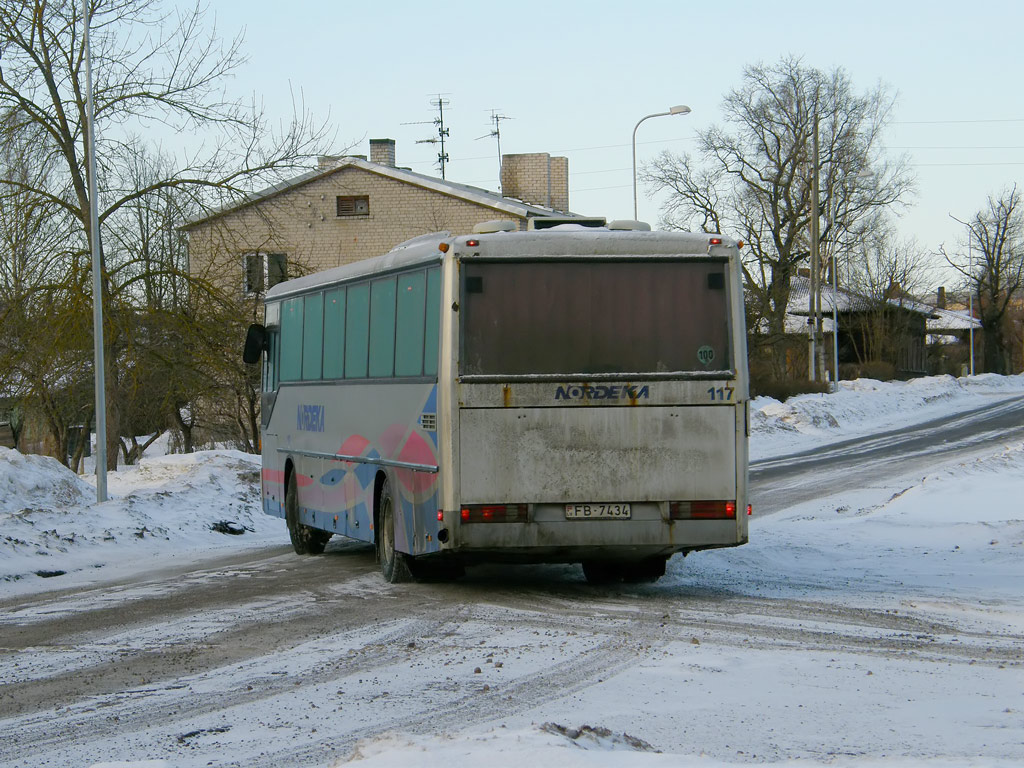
point(951, 321)
point(442, 186)
point(846, 301)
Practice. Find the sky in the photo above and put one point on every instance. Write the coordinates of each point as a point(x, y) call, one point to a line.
point(574, 77)
point(942, 550)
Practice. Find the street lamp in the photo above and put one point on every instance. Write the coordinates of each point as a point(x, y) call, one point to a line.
point(681, 109)
point(97, 269)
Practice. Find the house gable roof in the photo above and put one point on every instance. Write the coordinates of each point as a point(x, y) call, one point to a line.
point(847, 301)
point(463, 192)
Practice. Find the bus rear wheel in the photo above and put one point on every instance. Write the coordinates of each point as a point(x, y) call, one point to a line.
point(393, 564)
point(305, 540)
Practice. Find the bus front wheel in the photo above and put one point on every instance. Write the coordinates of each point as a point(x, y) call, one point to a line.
point(305, 540)
point(393, 564)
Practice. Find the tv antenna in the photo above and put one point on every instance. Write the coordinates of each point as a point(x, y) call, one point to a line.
point(442, 132)
point(495, 133)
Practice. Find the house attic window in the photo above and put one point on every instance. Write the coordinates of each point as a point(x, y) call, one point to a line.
point(353, 205)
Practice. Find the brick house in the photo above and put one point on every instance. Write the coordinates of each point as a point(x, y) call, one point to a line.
point(349, 209)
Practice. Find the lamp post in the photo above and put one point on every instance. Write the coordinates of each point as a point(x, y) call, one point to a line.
point(681, 109)
point(97, 268)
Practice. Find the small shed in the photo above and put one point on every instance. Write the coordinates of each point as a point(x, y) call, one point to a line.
point(870, 330)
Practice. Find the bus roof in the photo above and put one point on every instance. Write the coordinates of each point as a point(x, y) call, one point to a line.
point(420, 250)
point(563, 240)
point(576, 240)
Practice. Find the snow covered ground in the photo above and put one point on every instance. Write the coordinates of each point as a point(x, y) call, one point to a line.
point(950, 543)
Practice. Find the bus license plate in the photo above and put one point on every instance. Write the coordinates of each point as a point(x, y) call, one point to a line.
point(594, 511)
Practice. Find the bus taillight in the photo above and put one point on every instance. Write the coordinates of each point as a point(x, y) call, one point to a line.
point(750, 509)
point(494, 513)
point(702, 510)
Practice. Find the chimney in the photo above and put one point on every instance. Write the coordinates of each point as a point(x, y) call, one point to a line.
point(327, 161)
point(940, 301)
point(382, 152)
point(537, 179)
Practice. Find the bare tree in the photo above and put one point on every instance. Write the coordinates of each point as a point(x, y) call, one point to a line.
point(154, 72)
point(42, 364)
point(993, 268)
point(754, 176)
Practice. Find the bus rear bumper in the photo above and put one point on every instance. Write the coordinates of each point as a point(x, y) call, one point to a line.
point(578, 540)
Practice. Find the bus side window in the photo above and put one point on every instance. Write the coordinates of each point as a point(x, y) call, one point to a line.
point(382, 328)
point(291, 340)
point(313, 337)
point(270, 361)
point(334, 334)
point(357, 331)
point(433, 322)
point(409, 324)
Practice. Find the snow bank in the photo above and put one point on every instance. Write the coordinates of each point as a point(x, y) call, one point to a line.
point(865, 406)
point(51, 525)
point(38, 481)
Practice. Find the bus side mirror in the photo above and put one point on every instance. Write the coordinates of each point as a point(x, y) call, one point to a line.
point(255, 344)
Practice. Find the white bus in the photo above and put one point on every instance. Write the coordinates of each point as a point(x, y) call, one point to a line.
point(571, 395)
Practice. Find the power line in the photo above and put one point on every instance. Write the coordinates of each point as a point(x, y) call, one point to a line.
point(955, 122)
point(582, 149)
point(961, 165)
point(950, 147)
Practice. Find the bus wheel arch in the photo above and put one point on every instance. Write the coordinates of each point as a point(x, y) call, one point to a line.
point(305, 539)
point(394, 565)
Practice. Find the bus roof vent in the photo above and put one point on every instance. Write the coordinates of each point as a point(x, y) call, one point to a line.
point(629, 225)
point(495, 225)
point(549, 222)
point(422, 239)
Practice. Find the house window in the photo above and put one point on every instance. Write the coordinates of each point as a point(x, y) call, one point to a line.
point(353, 205)
point(253, 273)
point(264, 269)
point(277, 269)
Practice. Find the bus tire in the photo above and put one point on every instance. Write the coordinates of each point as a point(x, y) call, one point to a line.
point(601, 572)
point(305, 540)
point(393, 564)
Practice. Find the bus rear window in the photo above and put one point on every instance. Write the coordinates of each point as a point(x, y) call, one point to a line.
point(594, 317)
